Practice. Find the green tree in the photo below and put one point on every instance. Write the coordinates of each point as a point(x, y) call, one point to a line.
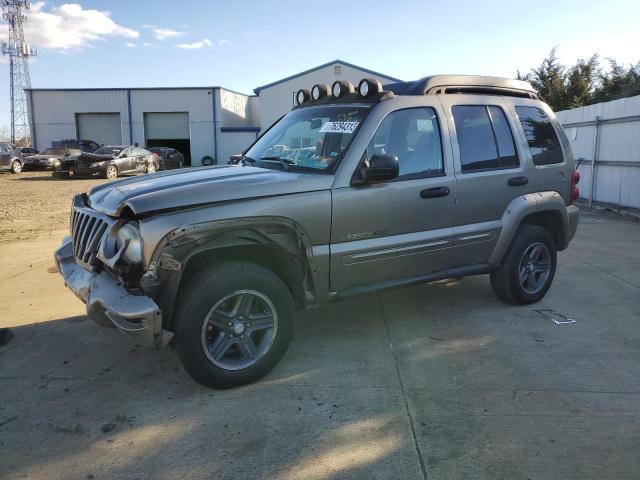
point(618, 82)
point(580, 82)
point(549, 81)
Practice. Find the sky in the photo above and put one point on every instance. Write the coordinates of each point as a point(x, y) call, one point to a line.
point(241, 45)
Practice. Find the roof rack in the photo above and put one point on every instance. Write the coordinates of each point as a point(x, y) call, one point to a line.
point(471, 84)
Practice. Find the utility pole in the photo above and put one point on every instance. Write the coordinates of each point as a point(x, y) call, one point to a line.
point(19, 53)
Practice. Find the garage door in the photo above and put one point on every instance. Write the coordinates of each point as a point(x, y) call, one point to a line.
point(168, 129)
point(103, 128)
point(174, 125)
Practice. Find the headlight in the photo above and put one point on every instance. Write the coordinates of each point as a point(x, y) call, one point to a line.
point(341, 87)
point(57, 162)
point(96, 164)
point(319, 91)
point(369, 86)
point(128, 237)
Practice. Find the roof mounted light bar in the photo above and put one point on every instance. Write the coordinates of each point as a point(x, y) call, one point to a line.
point(343, 91)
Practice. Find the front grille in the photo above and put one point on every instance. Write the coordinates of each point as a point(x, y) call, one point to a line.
point(87, 230)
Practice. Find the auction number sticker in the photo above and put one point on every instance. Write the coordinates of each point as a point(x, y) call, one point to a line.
point(339, 127)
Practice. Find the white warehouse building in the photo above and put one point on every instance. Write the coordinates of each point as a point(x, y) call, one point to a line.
point(204, 123)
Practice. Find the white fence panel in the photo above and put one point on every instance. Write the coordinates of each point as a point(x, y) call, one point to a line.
point(610, 133)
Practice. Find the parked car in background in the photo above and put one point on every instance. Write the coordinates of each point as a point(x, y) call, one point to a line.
point(168, 157)
point(10, 158)
point(82, 145)
point(114, 160)
point(49, 158)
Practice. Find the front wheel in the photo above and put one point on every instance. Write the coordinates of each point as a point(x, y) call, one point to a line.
point(111, 173)
point(16, 166)
point(528, 268)
point(234, 322)
point(151, 167)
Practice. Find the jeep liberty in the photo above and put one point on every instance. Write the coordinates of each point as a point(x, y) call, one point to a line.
point(353, 191)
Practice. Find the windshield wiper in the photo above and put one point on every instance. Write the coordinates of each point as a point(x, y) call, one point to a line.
point(285, 162)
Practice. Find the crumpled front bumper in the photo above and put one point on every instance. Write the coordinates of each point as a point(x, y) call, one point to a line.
point(108, 302)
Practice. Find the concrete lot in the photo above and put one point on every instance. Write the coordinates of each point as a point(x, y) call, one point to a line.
point(439, 381)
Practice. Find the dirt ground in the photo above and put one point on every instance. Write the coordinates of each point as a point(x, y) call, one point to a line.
point(439, 381)
point(34, 204)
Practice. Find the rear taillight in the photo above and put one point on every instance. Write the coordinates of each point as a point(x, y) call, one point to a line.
point(575, 191)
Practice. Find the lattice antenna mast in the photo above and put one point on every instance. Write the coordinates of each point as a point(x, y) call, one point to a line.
point(19, 53)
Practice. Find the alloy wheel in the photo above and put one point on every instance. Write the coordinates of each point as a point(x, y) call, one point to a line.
point(239, 330)
point(534, 268)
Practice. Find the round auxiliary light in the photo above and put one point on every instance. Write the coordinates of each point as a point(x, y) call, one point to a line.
point(369, 86)
point(302, 96)
point(319, 91)
point(341, 87)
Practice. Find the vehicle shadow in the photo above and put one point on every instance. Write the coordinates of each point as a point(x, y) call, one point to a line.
point(333, 408)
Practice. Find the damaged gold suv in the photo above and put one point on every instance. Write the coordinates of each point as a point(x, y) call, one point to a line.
point(355, 190)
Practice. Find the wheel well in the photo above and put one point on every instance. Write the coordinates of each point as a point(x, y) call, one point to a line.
point(550, 220)
point(283, 264)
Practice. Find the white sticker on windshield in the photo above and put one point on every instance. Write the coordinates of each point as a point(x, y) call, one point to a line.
point(339, 127)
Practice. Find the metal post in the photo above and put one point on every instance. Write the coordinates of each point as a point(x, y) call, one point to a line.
point(594, 158)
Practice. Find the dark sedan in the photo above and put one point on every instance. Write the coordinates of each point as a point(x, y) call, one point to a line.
point(50, 158)
point(112, 161)
point(169, 157)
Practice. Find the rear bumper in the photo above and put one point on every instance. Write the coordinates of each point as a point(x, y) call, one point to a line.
point(108, 302)
point(573, 215)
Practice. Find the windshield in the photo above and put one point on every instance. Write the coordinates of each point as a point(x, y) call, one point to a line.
point(108, 151)
point(54, 151)
point(158, 150)
point(310, 139)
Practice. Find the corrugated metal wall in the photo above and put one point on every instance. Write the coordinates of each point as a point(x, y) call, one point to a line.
point(610, 133)
point(54, 115)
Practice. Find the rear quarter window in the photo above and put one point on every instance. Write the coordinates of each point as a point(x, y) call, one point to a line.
point(541, 136)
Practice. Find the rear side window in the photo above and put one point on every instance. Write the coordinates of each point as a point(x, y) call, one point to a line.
point(542, 138)
point(485, 140)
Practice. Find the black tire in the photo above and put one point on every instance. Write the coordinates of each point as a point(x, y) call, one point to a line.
point(506, 283)
point(16, 166)
point(202, 293)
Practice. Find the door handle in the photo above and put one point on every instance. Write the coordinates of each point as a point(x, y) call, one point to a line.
point(434, 192)
point(518, 181)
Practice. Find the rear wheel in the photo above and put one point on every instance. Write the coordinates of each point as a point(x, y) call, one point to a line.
point(234, 323)
point(528, 268)
point(16, 166)
point(111, 172)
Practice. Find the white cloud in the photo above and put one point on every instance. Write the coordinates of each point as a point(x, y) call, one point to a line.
point(195, 45)
point(130, 45)
point(166, 33)
point(222, 43)
point(147, 44)
point(69, 27)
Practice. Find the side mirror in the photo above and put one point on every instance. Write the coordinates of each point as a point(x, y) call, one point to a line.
point(381, 168)
point(235, 159)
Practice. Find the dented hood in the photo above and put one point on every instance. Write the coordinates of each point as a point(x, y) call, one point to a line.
point(199, 186)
